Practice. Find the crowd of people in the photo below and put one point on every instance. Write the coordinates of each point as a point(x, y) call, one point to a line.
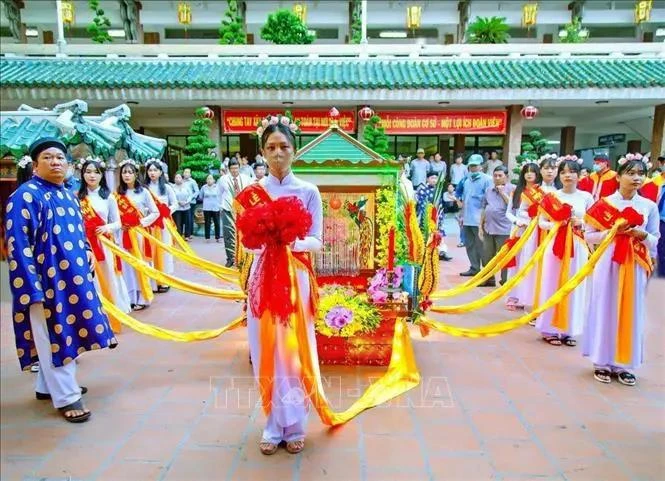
point(59, 269)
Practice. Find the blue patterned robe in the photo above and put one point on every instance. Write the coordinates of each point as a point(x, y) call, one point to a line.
point(424, 196)
point(48, 263)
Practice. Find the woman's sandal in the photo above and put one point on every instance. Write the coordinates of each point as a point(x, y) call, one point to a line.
point(626, 378)
point(75, 406)
point(139, 307)
point(294, 447)
point(268, 448)
point(44, 396)
point(602, 375)
point(552, 340)
point(532, 322)
point(163, 289)
point(569, 341)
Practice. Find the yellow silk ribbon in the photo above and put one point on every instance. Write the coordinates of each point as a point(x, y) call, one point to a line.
point(107, 293)
point(503, 290)
point(166, 279)
point(560, 315)
point(223, 273)
point(492, 267)
point(167, 334)
point(505, 326)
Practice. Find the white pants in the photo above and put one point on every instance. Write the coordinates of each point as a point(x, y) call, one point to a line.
point(59, 382)
point(274, 433)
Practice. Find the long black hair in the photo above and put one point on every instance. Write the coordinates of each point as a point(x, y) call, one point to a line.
point(122, 186)
point(103, 186)
point(550, 162)
point(278, 127)
point(161, 181)
point(24, 173)
point(521, 182)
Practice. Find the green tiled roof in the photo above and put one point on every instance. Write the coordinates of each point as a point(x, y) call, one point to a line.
point(16, 137)
point(335, 145)
point(333, 74)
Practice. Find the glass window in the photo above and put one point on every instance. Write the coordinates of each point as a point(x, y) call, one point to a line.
point(429, 143)
point(392, 146)
point(175, 151)
point(406, 145)
point(232, 145)
point(491, 141)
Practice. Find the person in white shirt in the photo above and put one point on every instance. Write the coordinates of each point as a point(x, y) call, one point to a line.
point(259, 171)
point(229, 186)
point(439, 166)
point(245, 168)
point(493, 162)
point(458, 170)
point(194, 188)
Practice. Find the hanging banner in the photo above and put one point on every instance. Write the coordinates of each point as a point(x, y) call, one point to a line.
point(444, 122)
point(311, 121)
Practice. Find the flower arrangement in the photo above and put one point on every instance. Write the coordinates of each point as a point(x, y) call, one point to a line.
point(378, 286)
point(344, 313)
point(127, 161)
point(387, 218)
point(285, 119)
point(552, 156)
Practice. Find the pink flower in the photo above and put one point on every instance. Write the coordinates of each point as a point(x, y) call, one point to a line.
point(338, 317)
point(293, 127)
point(285, 121)
point(264, 123)
point(273, 120)
point(259, 131)
point(638, 156)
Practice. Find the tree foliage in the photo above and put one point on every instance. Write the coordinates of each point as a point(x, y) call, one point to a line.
point(573, 32)
point(283, 27)
point(99, 28)
point(488, 30)
point(198, 156)
point(231, 31)
point(375, 137)
point(532, 149)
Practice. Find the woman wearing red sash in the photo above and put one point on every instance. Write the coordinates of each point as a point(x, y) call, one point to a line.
point(522, 209)
point(288, 404)
point(165, 199)
point(137, 208)
point(566, 256)
point(614, 333)
point(102, 218)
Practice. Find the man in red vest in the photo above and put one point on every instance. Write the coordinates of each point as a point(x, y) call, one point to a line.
point(603, 181)
point(652, 186)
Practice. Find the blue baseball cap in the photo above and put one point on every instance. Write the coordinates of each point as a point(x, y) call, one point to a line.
point(476, 159)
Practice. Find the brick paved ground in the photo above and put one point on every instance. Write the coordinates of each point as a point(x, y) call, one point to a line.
point(507, 408)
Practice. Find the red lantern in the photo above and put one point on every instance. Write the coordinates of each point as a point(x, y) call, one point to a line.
point(208, 113)
point(335, 203)
point(529, 112)
point(366, 113)
point(333, 113)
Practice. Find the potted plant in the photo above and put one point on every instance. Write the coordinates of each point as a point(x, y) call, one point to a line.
point(488, 30)
point(283, 27)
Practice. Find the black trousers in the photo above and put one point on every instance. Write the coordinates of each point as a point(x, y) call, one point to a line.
point(189, 226)
point(211, 216)
point(180, 218)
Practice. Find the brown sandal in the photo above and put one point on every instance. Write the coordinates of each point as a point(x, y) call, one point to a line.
point(294, 447)
point(552, 340)
point(268, 448)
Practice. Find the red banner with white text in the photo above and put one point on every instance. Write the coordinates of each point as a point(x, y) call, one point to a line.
point(311, 121)
point(444, 122)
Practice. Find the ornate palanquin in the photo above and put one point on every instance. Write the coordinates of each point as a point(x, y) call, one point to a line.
point(348, 175)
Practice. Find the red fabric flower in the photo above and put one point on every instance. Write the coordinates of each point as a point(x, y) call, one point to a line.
point(273, 225)
point(562, 214)
point(277, 223)
point(632, 217)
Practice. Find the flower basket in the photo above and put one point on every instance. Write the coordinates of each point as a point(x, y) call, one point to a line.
point(366, 349)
